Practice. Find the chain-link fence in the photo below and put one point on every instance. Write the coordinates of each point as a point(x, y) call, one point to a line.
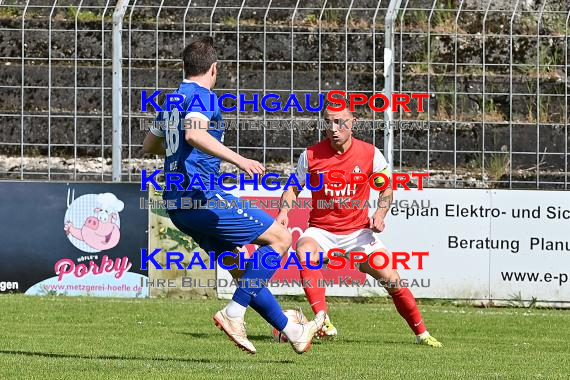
point(55, 89)
point(496, 72)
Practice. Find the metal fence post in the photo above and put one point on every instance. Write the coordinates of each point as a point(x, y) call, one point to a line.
point(389, 78)
point(23, 67)
point(118, 15)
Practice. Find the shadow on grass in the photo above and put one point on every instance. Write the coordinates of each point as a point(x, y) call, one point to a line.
point(126, 357)
point(209, 336)
point(347, 340)
point(269, 338)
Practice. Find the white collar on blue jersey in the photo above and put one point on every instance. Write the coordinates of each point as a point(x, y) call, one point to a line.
point(191, 81)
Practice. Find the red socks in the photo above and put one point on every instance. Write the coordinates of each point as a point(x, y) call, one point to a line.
point(406, 305)
point(403, 299)
point(315, 294)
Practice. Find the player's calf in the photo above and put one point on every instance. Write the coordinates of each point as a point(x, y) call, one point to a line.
point(403, 298)
point(307, 248)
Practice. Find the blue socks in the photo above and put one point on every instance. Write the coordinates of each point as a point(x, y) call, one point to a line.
point(267, 306)
point(257, 296)
point(246, 291)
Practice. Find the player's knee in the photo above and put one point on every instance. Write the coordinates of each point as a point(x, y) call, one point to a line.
point(380, 261)
point(278, 237)
point(304, 253)
point(282, 240)
point(316, 256)
point(300, 253)
point(308, 250)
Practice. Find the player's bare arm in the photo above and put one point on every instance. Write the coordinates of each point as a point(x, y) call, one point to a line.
point(287, 198)
point(201, 139)
point(153, 144)
point(377, 220)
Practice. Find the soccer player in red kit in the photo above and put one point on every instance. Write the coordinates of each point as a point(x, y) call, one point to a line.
point(343, 227)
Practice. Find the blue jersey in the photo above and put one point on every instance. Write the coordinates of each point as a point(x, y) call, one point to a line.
point(182, 157)
point(215, 229)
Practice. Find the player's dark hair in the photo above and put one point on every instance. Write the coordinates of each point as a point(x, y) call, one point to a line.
point(198, 56)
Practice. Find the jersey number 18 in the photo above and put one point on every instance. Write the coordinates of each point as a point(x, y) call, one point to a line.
point(172, 135)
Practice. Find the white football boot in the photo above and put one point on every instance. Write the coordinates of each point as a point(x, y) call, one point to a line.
point(302, 343)
point(235, 329)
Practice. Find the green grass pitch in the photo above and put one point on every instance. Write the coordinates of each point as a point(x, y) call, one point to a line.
point(91, 338)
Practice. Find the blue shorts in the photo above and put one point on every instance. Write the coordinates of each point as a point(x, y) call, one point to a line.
point(222, 229)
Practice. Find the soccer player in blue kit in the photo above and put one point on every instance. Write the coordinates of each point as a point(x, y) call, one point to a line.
point(193, 148)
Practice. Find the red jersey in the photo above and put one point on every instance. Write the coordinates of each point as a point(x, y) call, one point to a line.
point(342, 218)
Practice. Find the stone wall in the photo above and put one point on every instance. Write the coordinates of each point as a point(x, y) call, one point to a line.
point(454, 118)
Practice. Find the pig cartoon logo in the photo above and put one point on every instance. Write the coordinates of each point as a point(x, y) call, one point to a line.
point(92, 221)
